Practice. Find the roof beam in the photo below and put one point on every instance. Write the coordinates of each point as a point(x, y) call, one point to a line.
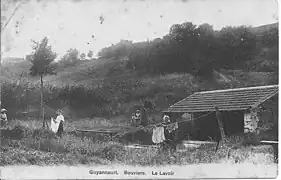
point(262, 100)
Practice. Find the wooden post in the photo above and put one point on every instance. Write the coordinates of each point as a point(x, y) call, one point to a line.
point(83, 135)
point(41, 102)
point(220, 125)
point(275, 152)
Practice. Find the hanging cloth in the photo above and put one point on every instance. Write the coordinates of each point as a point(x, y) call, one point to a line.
point(54, 126)
point(172, 127)
point(158, 135)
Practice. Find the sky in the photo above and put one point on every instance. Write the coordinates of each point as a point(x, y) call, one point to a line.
point(77, 23)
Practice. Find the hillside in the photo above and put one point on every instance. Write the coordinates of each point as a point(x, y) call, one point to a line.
point(264, 28)
point(121, 88)
point(92, 70)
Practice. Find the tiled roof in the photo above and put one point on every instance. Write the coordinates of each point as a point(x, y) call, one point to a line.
point(225, 100)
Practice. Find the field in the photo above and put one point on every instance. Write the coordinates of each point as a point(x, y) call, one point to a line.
point(42, 147)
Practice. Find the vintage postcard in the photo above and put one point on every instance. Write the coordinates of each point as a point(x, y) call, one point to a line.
point(139, 89)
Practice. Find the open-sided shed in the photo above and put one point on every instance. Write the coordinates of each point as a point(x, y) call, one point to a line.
point(220, 112)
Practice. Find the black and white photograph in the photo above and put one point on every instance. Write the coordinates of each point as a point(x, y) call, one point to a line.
point(139, 89)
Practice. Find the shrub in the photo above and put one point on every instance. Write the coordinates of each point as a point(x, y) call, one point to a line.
point(44, 134)
point(17, 133)
point(112, 152)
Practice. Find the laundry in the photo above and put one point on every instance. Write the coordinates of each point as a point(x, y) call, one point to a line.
point(158, 135)
point(172, 127)
point(54, 126)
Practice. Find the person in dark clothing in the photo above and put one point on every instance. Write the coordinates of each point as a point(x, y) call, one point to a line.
point(171, 137)
point(60, 130)
point(138, 117)
point(144, 117)
point(60, 120)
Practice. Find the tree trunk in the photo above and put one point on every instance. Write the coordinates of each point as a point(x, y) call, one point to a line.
point(42, 103)
point(1, 69)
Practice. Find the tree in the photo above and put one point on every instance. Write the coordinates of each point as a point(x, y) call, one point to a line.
point(237, 45)
point(42, 59)
point(82, 56)
point(70, 58)
point(90, 54)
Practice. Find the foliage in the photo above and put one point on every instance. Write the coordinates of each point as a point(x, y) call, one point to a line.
point(112, 97)
point(8, 9)
point(90, 54)
point(118, 50)
point(195, 49)
point(42, 58)
point(70, 58)
point(20, 97)
point(82, 56)
point(114, 86)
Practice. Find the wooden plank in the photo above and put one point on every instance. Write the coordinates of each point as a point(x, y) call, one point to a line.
point(263, 99)
point(220, 125)
point(141, 146)
point(269, 142)
point(97, 131)
point(197, 142)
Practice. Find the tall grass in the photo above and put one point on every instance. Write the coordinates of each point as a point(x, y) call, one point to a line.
point(43, 147)
point(112, 97)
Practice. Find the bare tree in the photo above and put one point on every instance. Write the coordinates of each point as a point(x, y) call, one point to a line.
point(5, 20)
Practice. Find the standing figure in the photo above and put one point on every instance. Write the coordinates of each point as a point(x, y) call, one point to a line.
point(59, 119)
point(144, 117)
point(166, 119)
point(133, 119)
point(138, 117)
point(3, 118)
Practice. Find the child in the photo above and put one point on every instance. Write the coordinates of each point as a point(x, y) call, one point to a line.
point(3, 118)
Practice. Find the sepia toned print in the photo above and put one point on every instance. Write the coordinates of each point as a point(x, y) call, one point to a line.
point(139, 89)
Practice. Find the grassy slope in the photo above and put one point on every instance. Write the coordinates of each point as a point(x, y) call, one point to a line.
point(125, 88)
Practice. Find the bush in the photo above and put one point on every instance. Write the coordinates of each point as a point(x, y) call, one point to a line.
point(49, 145)
point(44, 134)
point(16, 133)
point(112, 152)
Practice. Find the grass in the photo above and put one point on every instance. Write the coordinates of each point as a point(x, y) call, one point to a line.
point(42, 147)
point(72, 124)
point(114, 94)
